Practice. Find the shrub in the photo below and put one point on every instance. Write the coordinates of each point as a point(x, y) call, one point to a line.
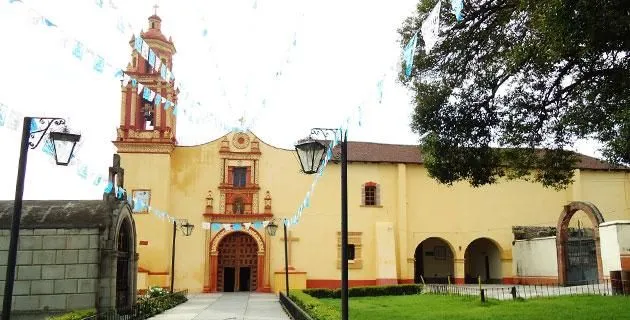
point(75, 315)
point(372, 291)
point(151, 306)
point(315, 308)
point(155, 292)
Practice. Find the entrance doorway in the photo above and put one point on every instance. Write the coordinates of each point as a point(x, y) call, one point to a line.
point(237, 263)
point(244, 278)
point(482, 261)
point(123, 260)
point(228, 279)
point(433, 261)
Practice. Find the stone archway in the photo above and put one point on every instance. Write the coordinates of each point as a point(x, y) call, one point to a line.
point(562, 236)
point(434, 261)
point(237, 254)
point(125, 257)
point(482, 259)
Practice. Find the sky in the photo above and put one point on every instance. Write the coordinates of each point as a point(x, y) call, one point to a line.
point(228, 55)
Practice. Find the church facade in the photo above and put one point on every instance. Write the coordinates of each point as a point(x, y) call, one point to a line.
point(404, 227)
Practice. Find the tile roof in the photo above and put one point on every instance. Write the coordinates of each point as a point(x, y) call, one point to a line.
point(396, 153)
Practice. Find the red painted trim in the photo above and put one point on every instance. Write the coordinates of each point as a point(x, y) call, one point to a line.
point(625, 262)
point(459, 281)
point(143, 270)
point(386, 282)
point(535, 280)
point(144, 243)
point(159, 273)
point(370, 184)
point(214, 262)
point(334, 284)
point(405, 281)
point(508, 280)
point(206, 290)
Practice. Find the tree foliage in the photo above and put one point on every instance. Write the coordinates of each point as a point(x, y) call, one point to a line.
point(507, 90)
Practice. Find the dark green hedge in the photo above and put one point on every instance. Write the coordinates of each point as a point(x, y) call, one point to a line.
point(150, 306)
point(394, 290)
point(315, 308)
point(75, 315)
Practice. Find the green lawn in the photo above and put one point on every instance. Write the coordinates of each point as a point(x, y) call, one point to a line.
point(466, 308)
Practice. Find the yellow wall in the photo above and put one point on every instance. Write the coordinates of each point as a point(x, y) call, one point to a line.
point(416, 205)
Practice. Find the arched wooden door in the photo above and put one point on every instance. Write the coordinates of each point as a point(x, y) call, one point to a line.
point(237, 263)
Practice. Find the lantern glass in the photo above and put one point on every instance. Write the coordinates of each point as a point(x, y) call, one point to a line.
point(64, 144)
point(187, 228)
point(310, 153)
point(271, 228)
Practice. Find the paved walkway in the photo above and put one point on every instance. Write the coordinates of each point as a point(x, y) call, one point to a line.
point(227, 306)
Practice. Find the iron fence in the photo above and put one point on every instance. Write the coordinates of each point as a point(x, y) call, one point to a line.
point(144, 309)
point(293, 309)
point(506, 292)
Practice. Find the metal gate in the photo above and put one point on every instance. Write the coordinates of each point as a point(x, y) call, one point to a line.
point(581, 261)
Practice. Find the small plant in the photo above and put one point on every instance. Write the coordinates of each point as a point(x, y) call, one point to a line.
point(155, 292)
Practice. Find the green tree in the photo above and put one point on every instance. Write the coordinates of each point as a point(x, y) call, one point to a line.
point(506, 90)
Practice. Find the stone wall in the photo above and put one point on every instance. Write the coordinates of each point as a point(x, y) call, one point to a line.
point(57, 269)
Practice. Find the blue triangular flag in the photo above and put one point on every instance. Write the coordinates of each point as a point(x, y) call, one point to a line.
point(163, 71)
point(109, 187)
point(49, 23)
point(118, 73)
point(158, 99)
point(134, 83)
point(151, 58)
point(236, 226)
point(258, 224)
point(33, 125)
point(146, 94)
point(99, 64)
point(410, 50)
point(99, 3)
point(138, 44)
point(48, 148)
point(215, 227)
point(78, 50)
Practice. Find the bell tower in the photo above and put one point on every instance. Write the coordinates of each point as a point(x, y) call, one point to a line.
point(147, 121)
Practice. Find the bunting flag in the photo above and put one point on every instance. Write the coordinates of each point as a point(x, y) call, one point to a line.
point(431, 28)
point(457, 7)
point(409, 53)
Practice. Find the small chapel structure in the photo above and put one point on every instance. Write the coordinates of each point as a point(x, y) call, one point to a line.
point(72, 254)
point(404, 227)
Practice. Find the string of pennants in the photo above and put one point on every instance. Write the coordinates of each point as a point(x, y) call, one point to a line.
point(430, 30)
point(101, 65)
point(10, 119)
point(123, 23)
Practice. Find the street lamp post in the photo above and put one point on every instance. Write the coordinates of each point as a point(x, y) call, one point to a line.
point(271, 230)
point(311, 154)
point(63, 147)
point(187, 230)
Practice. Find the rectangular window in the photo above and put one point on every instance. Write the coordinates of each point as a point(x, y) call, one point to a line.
point(351, 252)
point(239, 177)
point(370, 195)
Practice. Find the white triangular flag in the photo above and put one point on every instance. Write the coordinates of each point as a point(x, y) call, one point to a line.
point(158, 63)
point(145, 50)
point(227, 226)
point(265, 223)
point(140, 87)
point(152, 95)
point(205, 225)
point(126, 79)
point(247, 225)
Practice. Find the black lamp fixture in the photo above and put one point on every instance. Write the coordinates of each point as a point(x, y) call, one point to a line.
point(187, 230)
point(64, 143)
point(271, 228)
point(311, 152)
point(34, 130)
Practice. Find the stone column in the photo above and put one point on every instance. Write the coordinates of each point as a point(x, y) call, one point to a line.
point(460, 271)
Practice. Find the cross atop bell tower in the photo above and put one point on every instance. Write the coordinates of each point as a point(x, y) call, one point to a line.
point(148, 121)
